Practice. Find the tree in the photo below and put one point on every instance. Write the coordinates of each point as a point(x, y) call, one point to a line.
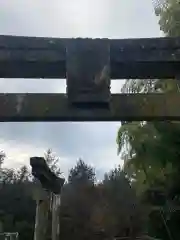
point(117, 211)
point(17, 208)
point(152, 148)
point(81, 173)
point(52, 162)
point(2, 158)
point(169, 13)
point(152, 161)
point(23, 174)
point(78, 200)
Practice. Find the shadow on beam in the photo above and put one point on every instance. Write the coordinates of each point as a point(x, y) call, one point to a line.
point(54, 107)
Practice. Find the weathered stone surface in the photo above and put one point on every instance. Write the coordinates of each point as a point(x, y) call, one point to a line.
point(88, 71)
point(47, 178)
point(32, 57)
point(123, 107)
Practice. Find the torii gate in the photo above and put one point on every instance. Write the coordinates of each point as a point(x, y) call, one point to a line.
point(88, 65)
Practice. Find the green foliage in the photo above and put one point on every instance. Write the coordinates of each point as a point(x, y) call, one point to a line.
point(16, 206)
point(2, 158)
point(151, 150)
point(169, 14)
point(52, 162)
point(101, 206)
point(81, 173)
point(118, 192)
point(88, 210)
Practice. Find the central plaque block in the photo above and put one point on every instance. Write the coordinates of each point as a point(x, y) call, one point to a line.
point(88, 72)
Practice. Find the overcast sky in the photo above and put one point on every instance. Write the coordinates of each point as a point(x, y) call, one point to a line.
point(95, 143)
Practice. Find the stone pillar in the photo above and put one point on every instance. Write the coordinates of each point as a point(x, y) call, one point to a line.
point(42, 210)
point(1, 226)
point(56, 202)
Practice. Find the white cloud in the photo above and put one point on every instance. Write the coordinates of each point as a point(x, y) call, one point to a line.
point(18, 155)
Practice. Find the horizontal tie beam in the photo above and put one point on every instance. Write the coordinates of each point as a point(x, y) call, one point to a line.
point(55, 107)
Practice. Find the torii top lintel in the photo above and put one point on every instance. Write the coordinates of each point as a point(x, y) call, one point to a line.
point(129, 58)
